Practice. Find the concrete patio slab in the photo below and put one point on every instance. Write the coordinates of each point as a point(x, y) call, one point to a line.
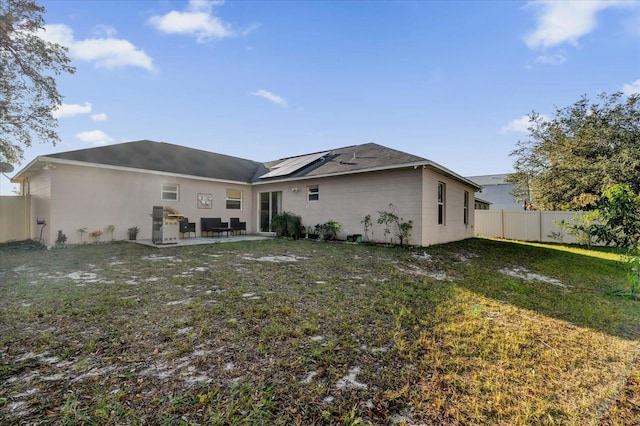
point(204, 240)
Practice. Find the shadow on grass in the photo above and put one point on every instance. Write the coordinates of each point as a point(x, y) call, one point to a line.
point(585, 293)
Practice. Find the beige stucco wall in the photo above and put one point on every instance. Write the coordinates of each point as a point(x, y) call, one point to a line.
point(70, 197)
point(348, 199)
point(93, 198)
point(454, 228)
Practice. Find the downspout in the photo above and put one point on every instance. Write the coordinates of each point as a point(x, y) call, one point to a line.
point(27, 214)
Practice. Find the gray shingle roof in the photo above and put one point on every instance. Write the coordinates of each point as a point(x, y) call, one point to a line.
point(352, 159)
point(165, 157)
point(169, 158)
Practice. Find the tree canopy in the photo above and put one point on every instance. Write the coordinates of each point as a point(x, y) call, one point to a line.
point(28, 90)
point(569, 161)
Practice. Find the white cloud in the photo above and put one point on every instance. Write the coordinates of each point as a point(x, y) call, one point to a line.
point(554, 59)
point(99, 117)
point(520, 125)
point(198, 21)
point(271, 97)
point(105, 52)
point(69, 110)
point(103, 30)
point(95, 137)
point(562, 22)
point(629, 89)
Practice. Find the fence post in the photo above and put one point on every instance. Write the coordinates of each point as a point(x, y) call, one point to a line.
point(540, 226)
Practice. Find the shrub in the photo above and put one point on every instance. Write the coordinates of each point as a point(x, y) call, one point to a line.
point(367, 226)
point(62, 238)
point(287, 224)
point(402, 228)
point(96, 235)
point(329, 230)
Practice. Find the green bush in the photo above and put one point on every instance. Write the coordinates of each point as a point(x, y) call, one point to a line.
point(329, 230)
point(287, 224)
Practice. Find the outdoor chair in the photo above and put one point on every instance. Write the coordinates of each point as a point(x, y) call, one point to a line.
point(238, 226)
point(187, 227)
point(213, 224)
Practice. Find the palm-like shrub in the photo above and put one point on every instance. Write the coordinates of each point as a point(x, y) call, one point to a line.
point(287, 224)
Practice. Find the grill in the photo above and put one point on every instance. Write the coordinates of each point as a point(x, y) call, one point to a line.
point(165, 225)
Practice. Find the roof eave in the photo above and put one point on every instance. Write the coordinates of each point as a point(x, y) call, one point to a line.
point(44, 159)
point(18, 177)
point(424, 164)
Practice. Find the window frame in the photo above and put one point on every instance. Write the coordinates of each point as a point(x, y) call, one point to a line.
point(230, 199)
point(466, 208)
point(442, 200)
point(169, 188)
point(313, 193)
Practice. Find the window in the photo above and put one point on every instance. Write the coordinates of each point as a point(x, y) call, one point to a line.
point(441, 201)
point(170, 192)
point(234, 199)
point(466, 207)
point(313, 193)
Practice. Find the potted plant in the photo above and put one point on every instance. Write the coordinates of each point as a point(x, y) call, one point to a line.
point(133, 232)
point(312, 232)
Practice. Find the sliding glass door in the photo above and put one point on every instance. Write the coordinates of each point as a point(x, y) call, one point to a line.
point(270, 205)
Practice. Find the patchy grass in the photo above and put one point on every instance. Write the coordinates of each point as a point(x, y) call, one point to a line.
point(283, 332)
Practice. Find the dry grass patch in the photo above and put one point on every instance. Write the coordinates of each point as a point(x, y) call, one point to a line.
point(283, 332)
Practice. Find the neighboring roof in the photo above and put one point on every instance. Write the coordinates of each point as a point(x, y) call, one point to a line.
point(176, 159)
point(480, 200)
point(487, 180)
point(169, 158)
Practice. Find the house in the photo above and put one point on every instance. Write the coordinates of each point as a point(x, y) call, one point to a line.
point(497, 192)
point(481, 204)
point(119, 185)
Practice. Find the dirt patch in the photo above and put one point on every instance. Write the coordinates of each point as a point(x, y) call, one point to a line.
point(526, 275)
point(349, 381)
point(418, 271)
point(276, 258)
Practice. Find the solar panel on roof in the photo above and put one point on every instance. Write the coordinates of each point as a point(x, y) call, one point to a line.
point(294, 164)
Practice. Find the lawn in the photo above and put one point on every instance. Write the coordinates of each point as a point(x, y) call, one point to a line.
point(313, 333)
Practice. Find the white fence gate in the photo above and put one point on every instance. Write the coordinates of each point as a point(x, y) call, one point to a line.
point(14, 218)
point(525, 225)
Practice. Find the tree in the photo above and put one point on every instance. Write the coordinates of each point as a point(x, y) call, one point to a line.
point(618, 217)
point(569, 161)
point(28, 90)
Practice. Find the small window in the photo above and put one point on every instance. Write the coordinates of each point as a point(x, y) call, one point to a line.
point(441, 203)
point(170, 192)
point(313, 193)
point(234, 199)
point(466, 207)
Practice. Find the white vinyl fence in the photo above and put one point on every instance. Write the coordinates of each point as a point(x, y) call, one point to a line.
point(14, 218)
point(524, 225)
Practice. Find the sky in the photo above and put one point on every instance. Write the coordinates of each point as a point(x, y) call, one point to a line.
point(450, 81)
